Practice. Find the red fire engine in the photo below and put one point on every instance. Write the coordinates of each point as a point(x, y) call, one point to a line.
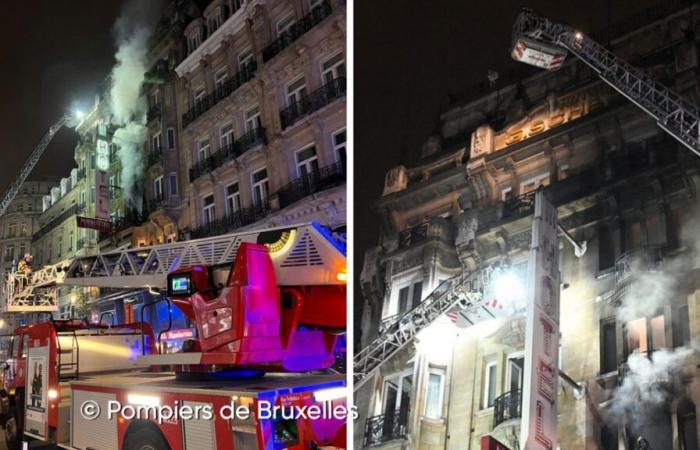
point(278, 307)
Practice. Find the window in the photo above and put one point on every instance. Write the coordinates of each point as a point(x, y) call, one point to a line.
point(681, 328)
point(296, 91)
point(226, 133)
point(307, 162)
point(24, 229)
point(645, 335)
point(397, 393)
point(244, 58)
point(533, 183)
point(199, 95)
point(333, 68)
point(12, 230)
point(284, 24)
point(203, 152)
point(236, 5)
point(506, 193)
point(339, 139)
point(155, 143)
point(171, 138)
point(260, 188)
point(158, 188)
point(172, 182)
point(22, 249)
point(154, 99)
point(220, 78)
point(489, 385)
point(208, 212)
point(9, 253)
point(233, 199)
point(214, 23)
point(608, 346)
point(410, 296)
point(252, 119)
point(434, 396)
point(194, 40)
point(514, 373)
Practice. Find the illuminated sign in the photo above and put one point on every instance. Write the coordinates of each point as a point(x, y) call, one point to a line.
point(540, 386)
point(102, 155)
point(104, 226)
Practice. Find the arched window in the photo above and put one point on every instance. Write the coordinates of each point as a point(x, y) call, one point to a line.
point(687, 426)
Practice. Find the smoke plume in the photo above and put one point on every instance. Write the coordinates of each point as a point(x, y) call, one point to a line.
point(126, 102)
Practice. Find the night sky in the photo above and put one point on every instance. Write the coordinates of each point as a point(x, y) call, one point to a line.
point(411, 55)
point(54, 53)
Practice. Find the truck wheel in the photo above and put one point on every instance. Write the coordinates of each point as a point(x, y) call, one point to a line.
point(15, 424)
point(145, 438)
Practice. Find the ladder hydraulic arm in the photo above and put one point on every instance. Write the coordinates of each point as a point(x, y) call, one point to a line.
point(31, 162)
point(543, 43)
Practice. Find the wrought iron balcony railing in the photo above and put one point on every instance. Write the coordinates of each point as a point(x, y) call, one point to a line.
point(155, 156)
point(221, 92)
point(386, 427)
point(636, 260)
point(297, 30)
point(73, 210)
point(507, 406)
point(313, 102)
point(154, 112)
point(231, 222)
point(320, 180)
point(229, 152)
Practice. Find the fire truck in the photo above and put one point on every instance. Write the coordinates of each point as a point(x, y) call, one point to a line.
point(267, 309)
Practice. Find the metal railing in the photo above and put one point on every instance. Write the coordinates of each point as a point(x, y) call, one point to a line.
point(319, 180)
point(313, 102)
point(297, 30)
point(155, 156)
point(231, 222)
point(413, 235)
point(229, 152)
point(636, 260)
point(386, 427)
point(73, 210)
point(221, 92)
point(507, 406)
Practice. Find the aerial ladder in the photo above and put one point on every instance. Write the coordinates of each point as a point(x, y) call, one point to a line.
point(65, 120)
point(542, 43)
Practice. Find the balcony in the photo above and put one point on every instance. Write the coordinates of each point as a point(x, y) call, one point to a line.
point(312, 102)
point(386, 427)
point(636, 260)
point(221, 92)
point(154, 112)
point(320, 180)
point(506, 407)
point(413, 235)
point(72, 211)
point(155, 156)
point(231, 222)
point(241, 145)
point(297, 30)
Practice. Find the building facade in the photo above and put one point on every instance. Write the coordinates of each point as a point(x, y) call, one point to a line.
point(630, 306)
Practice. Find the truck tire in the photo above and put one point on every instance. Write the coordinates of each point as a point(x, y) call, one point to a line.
point(14, 428)
point(145, 438)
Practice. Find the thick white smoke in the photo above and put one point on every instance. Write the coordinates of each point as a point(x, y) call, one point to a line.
point(127, 104)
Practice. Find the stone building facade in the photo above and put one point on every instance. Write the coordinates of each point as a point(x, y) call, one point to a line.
point(630, 306)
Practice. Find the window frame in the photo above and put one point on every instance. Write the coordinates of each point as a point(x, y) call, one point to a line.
point(487, 383)
point(333, 70)
point(208, 211)
point(234, 198)
point(254, 184)
point(441, 372)
point(337, 147)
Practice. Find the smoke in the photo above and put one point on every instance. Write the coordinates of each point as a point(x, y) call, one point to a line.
point(651, 288)
point(127, 105)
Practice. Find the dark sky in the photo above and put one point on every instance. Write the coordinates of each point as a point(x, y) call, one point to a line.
point(54, 53)
point(411, 54)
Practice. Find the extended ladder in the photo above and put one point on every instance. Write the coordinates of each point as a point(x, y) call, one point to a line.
point(302, 255)
point(540, 42)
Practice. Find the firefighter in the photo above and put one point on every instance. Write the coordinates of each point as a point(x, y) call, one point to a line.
point(642, 444)
point(25, 265)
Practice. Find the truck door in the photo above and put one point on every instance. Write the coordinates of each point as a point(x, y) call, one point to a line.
point(36, 393)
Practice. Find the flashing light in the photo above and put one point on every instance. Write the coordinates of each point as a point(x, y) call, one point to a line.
point(578, 36)
point(143, 400)
point(342, 276)
point(326, 395)
point(79, 114)
point(53, 394)
point(282, 246)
